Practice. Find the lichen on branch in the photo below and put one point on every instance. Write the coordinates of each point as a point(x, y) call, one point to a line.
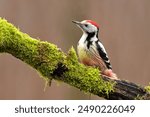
point(51, 62)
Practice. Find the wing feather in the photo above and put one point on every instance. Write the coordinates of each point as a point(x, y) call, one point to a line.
point(99, 61)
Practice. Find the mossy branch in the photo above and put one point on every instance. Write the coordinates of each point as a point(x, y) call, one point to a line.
point(52, 63)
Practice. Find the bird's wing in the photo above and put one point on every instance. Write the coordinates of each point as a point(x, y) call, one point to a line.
point(97, 58)
point(103, 54)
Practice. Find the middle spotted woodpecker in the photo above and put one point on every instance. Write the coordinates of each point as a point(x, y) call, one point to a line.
point(91, 51)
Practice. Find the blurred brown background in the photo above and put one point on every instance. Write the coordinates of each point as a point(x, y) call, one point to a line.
point(124, 30)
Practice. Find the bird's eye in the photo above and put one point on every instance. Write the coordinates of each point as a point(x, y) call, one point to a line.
point(86, 25)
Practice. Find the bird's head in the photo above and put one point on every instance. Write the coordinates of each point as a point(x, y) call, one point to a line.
point(87, 26)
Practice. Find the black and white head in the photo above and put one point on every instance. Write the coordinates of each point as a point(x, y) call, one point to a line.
point(87, 26)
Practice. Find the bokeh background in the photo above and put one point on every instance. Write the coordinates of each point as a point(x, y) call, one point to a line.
point(124, 30)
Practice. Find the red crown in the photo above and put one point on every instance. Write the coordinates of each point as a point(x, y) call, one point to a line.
point(94, 23)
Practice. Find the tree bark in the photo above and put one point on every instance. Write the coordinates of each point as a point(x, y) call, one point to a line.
point(127, 90)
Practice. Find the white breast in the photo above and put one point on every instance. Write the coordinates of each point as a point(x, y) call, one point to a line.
point(82, 48)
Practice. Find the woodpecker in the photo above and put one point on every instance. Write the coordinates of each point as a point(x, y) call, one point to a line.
point(91, 51)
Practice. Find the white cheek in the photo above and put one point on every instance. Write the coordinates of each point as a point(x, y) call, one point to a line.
point(92, 29)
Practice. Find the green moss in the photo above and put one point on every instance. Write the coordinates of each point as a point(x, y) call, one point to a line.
point(147, 88)
point(41, 55)
point(49, 55)
point(46, 58)
point(85, 78)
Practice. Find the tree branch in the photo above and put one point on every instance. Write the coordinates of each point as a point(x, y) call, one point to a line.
point(52, 63)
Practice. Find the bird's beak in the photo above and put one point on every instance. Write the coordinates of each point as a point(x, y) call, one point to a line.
point(77, 23)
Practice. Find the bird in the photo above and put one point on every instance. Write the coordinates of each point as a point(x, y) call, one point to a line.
point(91, 51)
